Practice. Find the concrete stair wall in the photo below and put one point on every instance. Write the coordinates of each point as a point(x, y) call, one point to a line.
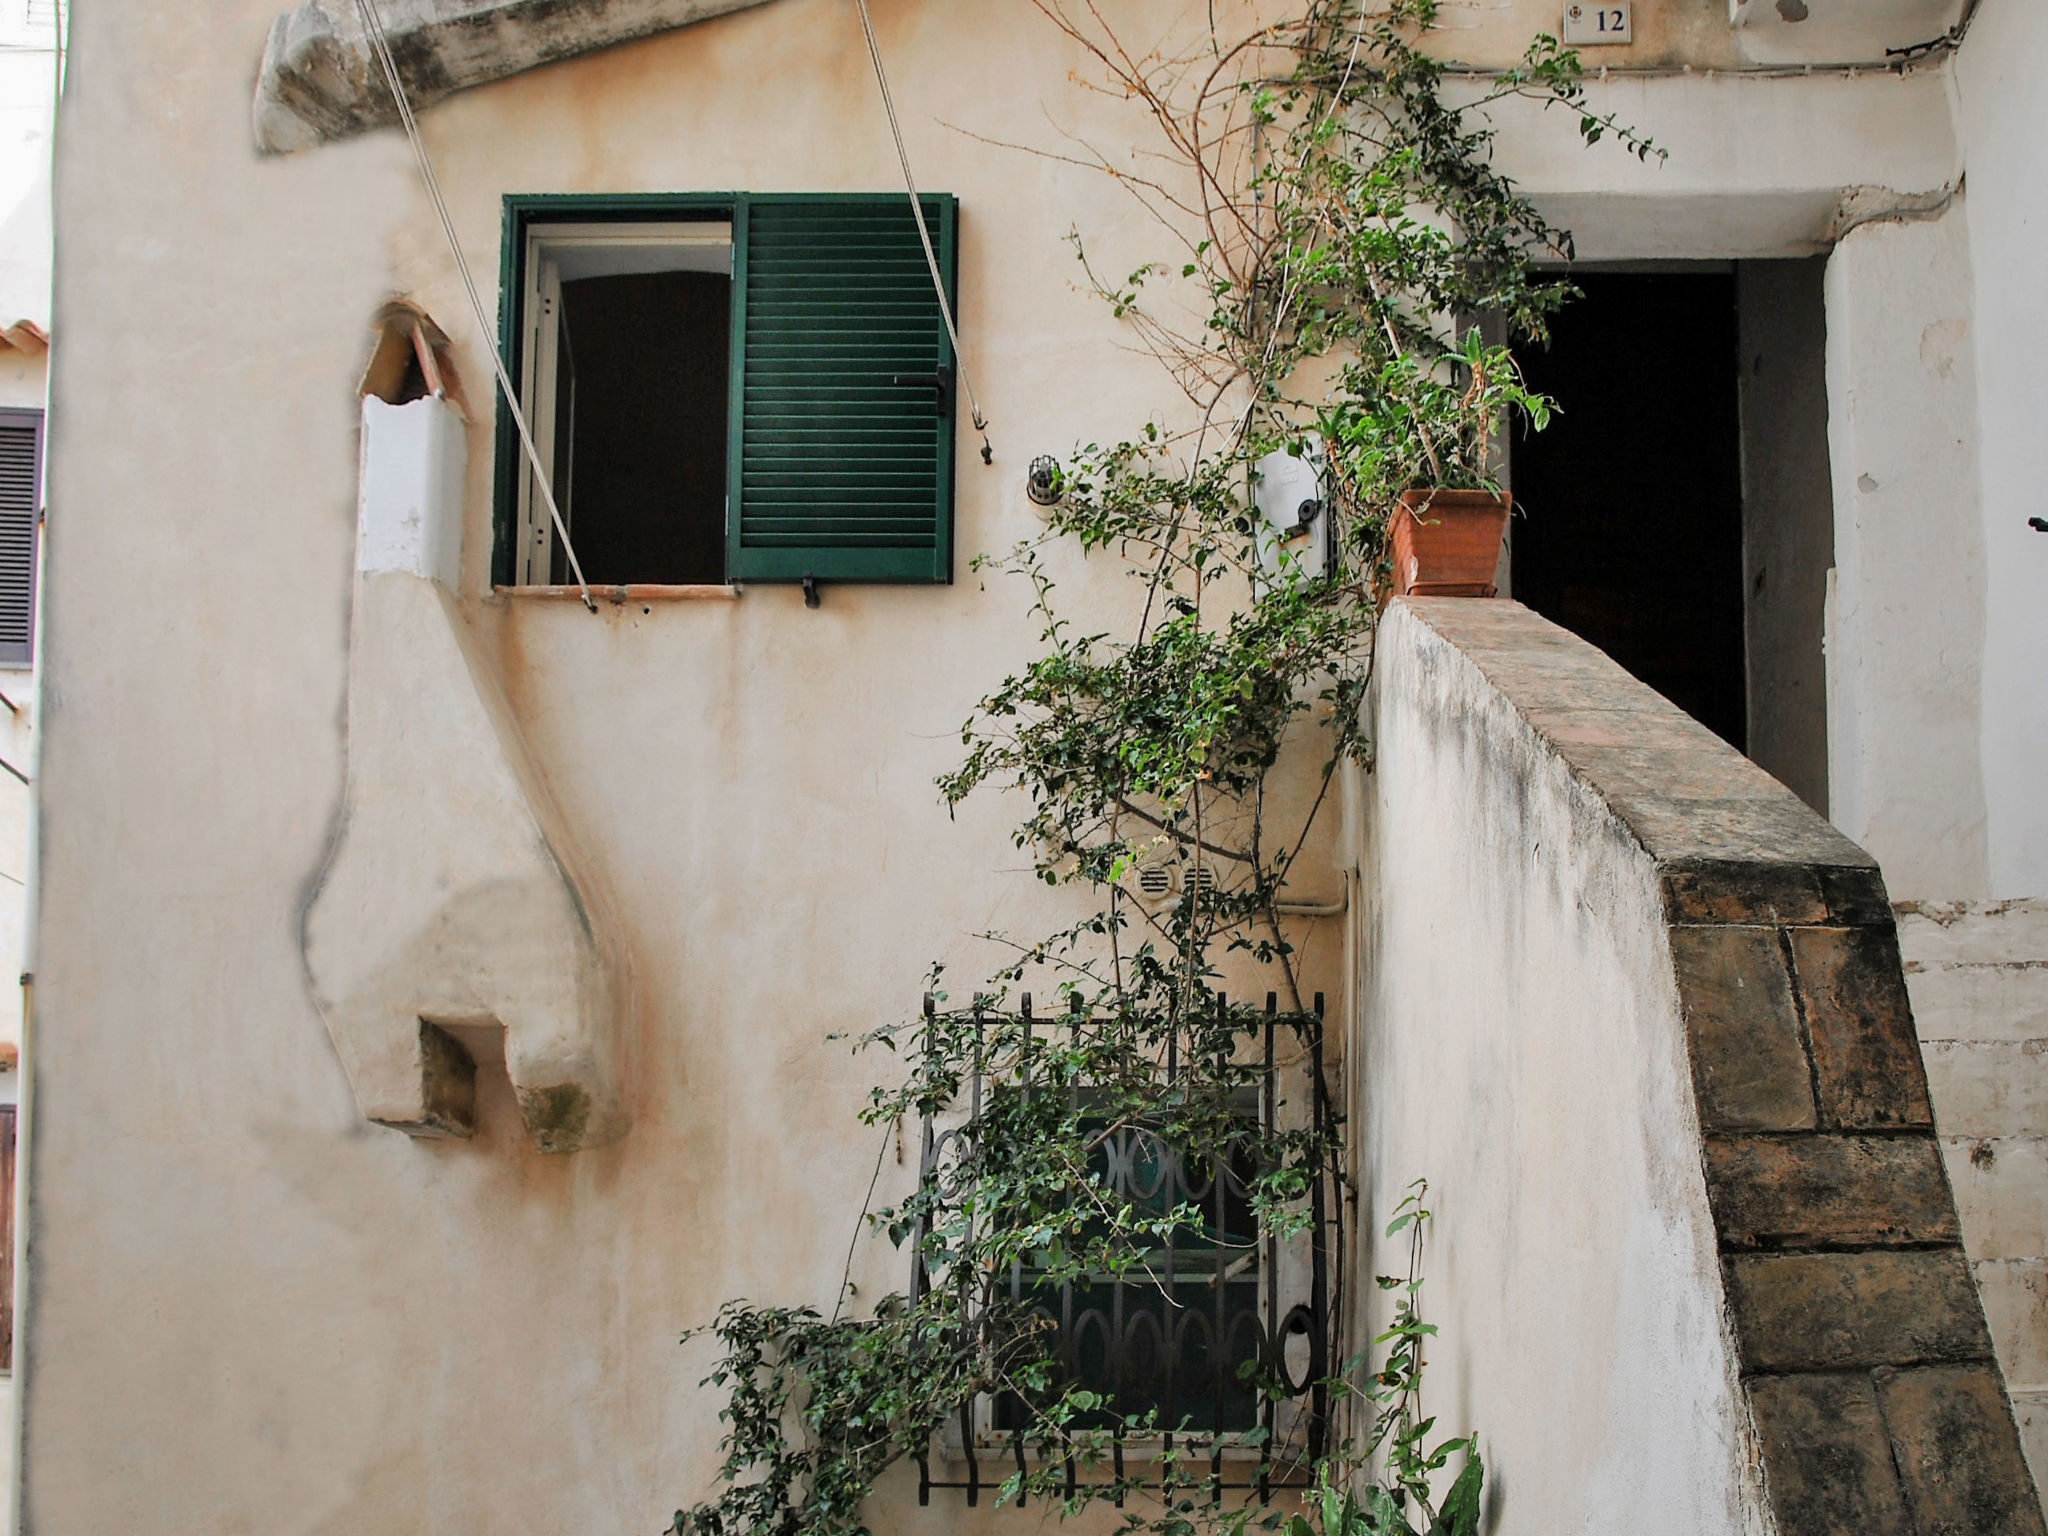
point(1978, 976)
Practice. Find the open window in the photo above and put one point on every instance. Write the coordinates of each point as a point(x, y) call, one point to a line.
point(728, 388)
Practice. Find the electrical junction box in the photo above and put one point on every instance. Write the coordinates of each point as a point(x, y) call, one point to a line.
point(1592, 26)
point(1294, 522)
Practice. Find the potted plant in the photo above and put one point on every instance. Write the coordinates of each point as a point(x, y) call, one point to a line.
point(1417, 422)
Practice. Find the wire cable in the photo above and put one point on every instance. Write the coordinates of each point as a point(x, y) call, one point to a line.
point(380, 44)
point(931, 260)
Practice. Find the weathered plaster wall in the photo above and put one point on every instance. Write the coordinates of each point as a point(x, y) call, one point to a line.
point(1755, 167)
point(1520, 1046)
point(319, 78)
point(2004, 121)
point(1906, 618)
point(251, 1311)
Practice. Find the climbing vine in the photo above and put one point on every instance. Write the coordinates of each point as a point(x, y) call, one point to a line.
point(1336, 228)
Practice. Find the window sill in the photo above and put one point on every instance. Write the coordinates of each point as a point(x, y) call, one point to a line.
point(619, 596)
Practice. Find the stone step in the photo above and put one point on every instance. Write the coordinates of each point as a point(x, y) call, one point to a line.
point(1999, 1184)
point(1978, 979)
point(1985, 1088)
point(2015, 1294)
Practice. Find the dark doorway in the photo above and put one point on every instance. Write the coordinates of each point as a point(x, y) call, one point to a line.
point(643, 385)
point(1630, 533)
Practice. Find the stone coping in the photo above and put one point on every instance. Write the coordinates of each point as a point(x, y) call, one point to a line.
point(1878, 1406)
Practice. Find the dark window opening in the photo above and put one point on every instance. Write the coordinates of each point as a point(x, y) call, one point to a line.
point(640, 444)
point(625, 374)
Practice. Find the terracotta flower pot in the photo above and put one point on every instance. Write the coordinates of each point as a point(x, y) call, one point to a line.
point(1447, 543)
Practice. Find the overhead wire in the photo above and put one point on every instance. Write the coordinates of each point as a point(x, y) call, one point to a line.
point(931, 259)
point(380, 45)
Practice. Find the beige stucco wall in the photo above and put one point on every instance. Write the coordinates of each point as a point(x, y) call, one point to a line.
point(253, 1312)
point(250, 1311)
point(2003, 122)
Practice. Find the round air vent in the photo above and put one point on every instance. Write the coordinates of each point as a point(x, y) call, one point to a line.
point(1155, 881)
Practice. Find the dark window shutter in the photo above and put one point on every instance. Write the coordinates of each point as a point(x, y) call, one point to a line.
point(21, 478)
point(838, 470)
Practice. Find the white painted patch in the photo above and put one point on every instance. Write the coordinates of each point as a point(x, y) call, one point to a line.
point(410, 513)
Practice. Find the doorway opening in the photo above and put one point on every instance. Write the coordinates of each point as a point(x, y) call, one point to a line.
point(1678, 512)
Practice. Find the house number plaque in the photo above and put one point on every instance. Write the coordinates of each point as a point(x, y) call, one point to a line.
point(1591, 25)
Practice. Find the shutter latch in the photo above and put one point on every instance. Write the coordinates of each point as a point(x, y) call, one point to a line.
point(940, 383)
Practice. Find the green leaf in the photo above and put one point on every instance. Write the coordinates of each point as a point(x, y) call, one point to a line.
point(1459, 1514)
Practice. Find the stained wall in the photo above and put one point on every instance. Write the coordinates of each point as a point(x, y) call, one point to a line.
point(250, 1311)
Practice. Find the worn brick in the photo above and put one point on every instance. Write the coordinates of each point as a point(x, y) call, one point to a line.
point(1741, 891)
point(1866, 1057)
point(1958, 1452)
point(1828, 1191)
point(1827, 1461)
point(1831, 1311)
point(1854, 895)
point(1749, 1067)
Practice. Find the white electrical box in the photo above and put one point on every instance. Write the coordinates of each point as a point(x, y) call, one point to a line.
point(1294, 523)
point(1591, 26)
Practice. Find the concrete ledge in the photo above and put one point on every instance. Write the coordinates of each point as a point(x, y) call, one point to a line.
point(319, 82)
point(1860, 1339)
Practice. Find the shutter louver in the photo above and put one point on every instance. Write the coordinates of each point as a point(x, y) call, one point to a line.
point(841, 468)
point(20, 481)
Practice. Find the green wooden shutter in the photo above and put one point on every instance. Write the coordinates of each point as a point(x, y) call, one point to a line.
point(838, 470)
point(21, 481)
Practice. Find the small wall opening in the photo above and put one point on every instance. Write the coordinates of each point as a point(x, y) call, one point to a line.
point(1678, 512)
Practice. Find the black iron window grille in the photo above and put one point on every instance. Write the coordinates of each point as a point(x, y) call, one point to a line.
point(1221, 1338)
